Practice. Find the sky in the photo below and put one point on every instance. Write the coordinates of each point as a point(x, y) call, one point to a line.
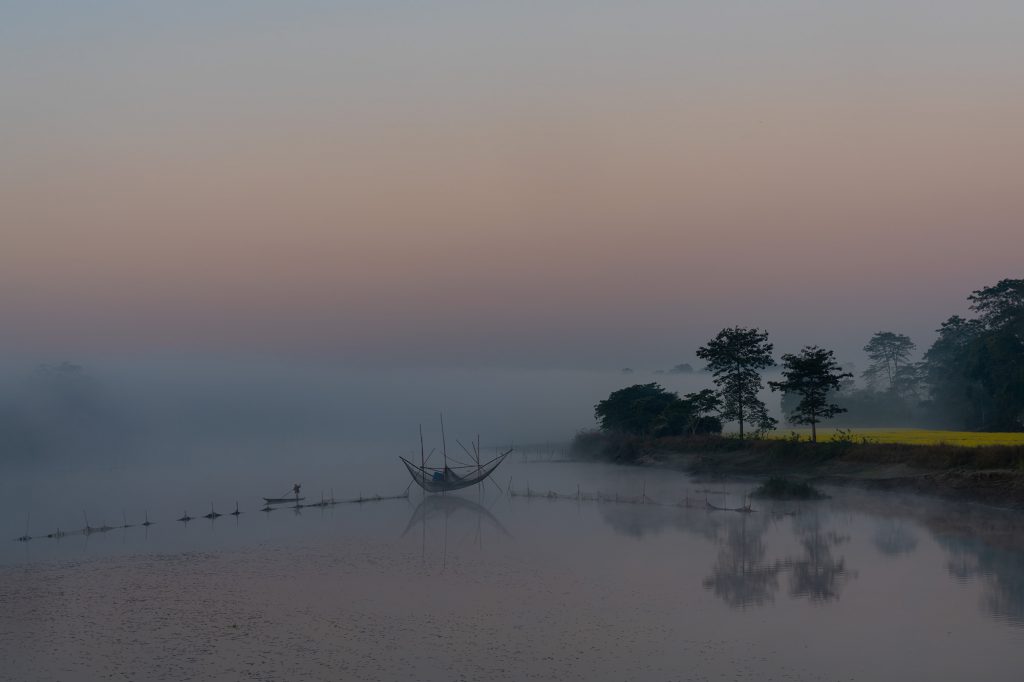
point(509, 184)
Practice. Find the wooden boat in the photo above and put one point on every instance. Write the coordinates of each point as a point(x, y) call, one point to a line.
point(452, 477)
point(294, 497)
point(443, 479)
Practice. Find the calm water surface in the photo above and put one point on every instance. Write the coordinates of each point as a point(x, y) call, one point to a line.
point(486, 586)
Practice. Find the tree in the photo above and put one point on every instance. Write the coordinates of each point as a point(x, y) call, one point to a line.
point(997, 360)
point(1001, 307)
point(649, 410)
point(634, 409)
point(701, 406)
point(812, 376)
point(907, 382)
point(955, 398)
point(762, 421)
point(887, 352)
point(735, 358)
point(674, 420)
point(975, 369)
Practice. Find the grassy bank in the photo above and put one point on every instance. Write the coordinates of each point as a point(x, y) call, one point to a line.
point(910, 436)
point(992, 474)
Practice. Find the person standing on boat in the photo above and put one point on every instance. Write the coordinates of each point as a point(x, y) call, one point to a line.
point(296, 488)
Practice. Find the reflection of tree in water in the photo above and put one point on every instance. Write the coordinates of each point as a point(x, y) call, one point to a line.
point(1000, 570)
point(641, 519)
point(983, 544)
point(740, 576)
point(892, 538)
point(817, 574)
point(986, 545)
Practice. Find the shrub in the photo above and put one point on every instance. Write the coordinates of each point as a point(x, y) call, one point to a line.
point(784, 489)
point(588, 443)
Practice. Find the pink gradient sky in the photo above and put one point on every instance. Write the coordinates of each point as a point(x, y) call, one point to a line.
point(588, 184)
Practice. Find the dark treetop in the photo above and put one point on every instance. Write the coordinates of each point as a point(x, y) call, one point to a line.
point(735, 358)
point(813, 375)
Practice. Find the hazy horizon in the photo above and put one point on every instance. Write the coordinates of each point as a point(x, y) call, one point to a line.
point(580, 185)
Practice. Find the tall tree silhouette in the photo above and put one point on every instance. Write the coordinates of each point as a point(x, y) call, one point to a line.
point(887, 351)
point(735, 358)
point(811, 375)
point(975, 369)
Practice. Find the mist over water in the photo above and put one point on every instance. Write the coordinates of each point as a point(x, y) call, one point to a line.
point(173, 436)
point(879, 586)
point(204, 401)
point(596, 590)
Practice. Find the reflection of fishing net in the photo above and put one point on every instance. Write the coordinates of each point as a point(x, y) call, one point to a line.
point(445, 506)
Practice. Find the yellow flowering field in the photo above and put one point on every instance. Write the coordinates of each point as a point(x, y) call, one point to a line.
point(914, 436)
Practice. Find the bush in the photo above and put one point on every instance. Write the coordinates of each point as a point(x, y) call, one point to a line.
point(707, 425)
point(613, 445)
point(776, 488)
point(588, 443)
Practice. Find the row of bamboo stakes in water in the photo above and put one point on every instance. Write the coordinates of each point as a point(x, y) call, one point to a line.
point(580, 496)
point(185, 518)
point(615, 498)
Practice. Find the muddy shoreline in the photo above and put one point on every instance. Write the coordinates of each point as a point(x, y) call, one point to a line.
point(996, 487)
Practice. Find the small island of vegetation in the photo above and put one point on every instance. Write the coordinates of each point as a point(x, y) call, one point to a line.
point(971, 380)
point(777, 488)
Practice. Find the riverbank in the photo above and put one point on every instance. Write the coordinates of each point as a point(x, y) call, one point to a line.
point(992, 475)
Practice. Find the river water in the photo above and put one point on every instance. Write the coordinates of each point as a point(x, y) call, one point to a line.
point(486, 585)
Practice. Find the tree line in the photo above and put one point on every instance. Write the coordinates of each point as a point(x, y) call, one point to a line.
point(972, 377)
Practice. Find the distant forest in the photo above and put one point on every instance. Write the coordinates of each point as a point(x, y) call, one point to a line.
point(971, 378)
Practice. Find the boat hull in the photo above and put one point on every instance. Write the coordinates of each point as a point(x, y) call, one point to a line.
point(440, 481)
